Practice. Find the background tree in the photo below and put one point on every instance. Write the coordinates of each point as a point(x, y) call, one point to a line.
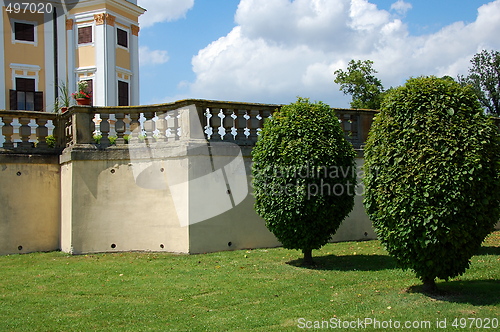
point(304, 175)
point(432, 177)
point(484, 77)
point(366, 90)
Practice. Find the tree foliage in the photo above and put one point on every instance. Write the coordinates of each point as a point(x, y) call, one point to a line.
point(359, 81)
point(304, 175)
point(484, 77)
point(432, 177)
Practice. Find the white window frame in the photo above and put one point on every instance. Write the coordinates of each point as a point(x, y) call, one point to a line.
point(25, 68)
point(13, 32)
point(128, 38)
point(123, 72)
point(84, 25)
point(89, 73)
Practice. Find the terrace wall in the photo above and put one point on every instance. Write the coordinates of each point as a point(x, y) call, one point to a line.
point(30, 204)
point(177, 179)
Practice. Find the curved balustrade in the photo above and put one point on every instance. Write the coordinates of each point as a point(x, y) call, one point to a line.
point(235, 122)
point(27, 130)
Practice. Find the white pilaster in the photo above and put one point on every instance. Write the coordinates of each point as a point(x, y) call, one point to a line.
point(49, 95)
point(71, 55)
point(112, 82)
point(3, 83)
point(101, 75)
point(134, 81)
point(62, 42)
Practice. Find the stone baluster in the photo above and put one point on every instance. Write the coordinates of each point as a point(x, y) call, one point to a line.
point(254, 124)
point(241, 124)
point(68, 132)
point(221, 130)
point(207, 124)
point(135, 127)
point(346, 125)
point(228, 123)
point(266, 114)
point(170, 131)
point(212, 123)
point(149, 126)
point(25, 132)
point(178, 124)
point(161, 125)
point(41, 133)
point(354, 126)
point(247, 123)
point(58, 132)
point(120, 128)
point(349, 126)
point(215, 122)
point(104, 127)
point(234, 124)
point(7, 132)
point(260, 124)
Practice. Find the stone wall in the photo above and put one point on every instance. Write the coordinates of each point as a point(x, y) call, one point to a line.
point(177, 180)
point(30, 203)
point(103, 210)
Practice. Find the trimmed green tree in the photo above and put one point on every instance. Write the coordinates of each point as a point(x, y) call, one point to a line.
point(432, 177)
point(304, 175)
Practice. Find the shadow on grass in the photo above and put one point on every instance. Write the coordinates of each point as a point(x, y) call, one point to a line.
point(489, 251)
point(348, 263)
point(475, 292)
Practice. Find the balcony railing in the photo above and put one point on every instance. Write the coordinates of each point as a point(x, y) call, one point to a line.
point(25, 131)
point(241, 123)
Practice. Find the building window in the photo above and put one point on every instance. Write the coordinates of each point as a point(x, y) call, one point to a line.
point(24, 31)
point(25, 97)
point(123, 94)
point(122, 37)
point(90, 85)
point(85, 35)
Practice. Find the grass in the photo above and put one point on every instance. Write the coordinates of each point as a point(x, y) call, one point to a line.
point(249, 290)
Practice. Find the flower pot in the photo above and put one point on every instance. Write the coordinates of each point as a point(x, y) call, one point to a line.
point(64, 109)
point(83, 101)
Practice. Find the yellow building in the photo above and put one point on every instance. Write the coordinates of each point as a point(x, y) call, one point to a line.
point(47, 45)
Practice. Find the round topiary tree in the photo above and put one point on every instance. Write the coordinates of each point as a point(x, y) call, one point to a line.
point(432, 177)
point(304, 175)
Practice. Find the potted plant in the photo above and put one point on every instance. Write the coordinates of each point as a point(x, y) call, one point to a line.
point(82, 95)
point(64, 101)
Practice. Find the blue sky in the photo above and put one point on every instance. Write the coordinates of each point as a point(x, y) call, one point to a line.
point(271, 51)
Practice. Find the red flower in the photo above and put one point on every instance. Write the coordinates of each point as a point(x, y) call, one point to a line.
point(82, 91)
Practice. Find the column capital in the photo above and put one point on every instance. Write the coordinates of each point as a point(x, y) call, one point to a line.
point(135, 30)
point(104, 18)
point(99, 19)
point(69, 24)
point(110, 20)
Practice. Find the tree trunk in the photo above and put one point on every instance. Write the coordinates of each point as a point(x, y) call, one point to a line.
point(429, 285)
point(308, 260)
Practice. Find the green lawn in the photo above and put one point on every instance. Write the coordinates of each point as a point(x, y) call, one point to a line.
point(254, 290)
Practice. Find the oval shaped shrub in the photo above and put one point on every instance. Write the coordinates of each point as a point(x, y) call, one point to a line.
point(304, 175)
point(432, 177)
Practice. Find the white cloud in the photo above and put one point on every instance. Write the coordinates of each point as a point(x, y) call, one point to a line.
point(163, 10)
point(366, 16)
point(401, 7)
point(281, 49)
point(152, 57)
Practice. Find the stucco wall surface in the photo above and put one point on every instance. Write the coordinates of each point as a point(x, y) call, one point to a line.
point(29, 204)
